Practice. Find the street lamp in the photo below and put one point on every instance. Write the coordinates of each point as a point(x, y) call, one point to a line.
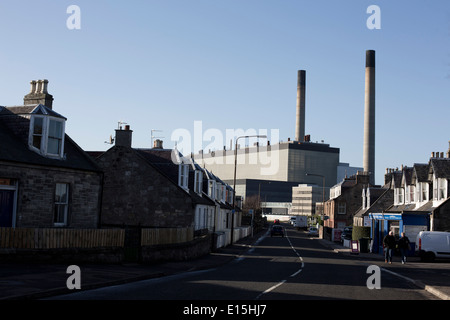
point(234, 181)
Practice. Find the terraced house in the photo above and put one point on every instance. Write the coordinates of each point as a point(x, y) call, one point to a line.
point(46, 179)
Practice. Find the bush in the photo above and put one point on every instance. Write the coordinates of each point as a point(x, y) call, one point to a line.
point(360, 232)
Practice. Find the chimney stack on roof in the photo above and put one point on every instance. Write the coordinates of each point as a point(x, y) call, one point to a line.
point(123, 137)
point(39, 94)
point(158, 144)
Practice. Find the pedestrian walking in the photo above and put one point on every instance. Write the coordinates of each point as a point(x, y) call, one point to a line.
point(389, 245)
point(404, 245)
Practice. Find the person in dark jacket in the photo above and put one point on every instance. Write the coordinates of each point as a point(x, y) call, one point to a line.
point(389, 244)
point(404, 245)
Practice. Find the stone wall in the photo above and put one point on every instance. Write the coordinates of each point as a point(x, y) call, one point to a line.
point(177, 252)
point(36, 195)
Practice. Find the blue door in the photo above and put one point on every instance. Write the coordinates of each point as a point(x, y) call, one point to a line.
point(6, 207)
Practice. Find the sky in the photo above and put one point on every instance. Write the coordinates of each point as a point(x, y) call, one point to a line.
point(218, 65)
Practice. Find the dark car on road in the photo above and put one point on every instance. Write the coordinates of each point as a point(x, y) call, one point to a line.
point(277, 230)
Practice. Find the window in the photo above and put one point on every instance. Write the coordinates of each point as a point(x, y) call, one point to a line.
point(61, 204)
point(412, 192)
point(37, 132)
point(183, 176)
point(398, 196)
point(47, 135)
point(212, 189)
point(442, 192)
point(55, 134)
point(424, 187)
point(341, 208)
point(198, 183)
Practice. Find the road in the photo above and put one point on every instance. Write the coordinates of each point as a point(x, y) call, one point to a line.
point(294, 267)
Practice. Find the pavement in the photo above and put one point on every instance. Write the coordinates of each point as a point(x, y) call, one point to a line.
point(32, 281)
point(433, 277)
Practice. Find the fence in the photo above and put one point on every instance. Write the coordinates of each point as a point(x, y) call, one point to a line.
point(46, 238)
point(150, 237)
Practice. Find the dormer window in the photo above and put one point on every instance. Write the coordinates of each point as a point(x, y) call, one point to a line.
point(47, 135)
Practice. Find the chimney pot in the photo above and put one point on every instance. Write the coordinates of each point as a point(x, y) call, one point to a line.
point(33, 86)
point(44, 86)
point(448, 152)
point(39, 86)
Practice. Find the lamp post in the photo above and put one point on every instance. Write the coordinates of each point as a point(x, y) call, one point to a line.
point(234, 181)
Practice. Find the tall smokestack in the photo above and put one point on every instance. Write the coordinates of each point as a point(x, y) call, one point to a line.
point(300, 119)
point(369, 117)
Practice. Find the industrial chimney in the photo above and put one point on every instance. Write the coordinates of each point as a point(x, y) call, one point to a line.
point(369, 117)
point(300, 119)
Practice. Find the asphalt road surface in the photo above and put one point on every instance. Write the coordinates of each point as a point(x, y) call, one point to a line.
point(294, 267)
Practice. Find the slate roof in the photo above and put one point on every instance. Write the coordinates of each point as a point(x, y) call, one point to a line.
point(380, 199)
point(420, 173)
point(14, 141)
point(440, 167)
point(162, 159)
point(397, 179)
point(407, 176)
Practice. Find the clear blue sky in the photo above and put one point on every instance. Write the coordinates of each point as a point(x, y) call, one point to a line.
point(163, 64)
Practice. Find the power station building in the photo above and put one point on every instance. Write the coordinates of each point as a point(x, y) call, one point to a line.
point(271, 171)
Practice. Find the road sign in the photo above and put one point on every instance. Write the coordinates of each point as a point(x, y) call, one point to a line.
point(354, 246)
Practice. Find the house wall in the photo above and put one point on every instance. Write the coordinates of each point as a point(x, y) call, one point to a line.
point(36, 195)
point(351, 197)
point(441, 218)
point(135, 193)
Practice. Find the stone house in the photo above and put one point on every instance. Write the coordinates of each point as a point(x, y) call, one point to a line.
point(344, 202)
point(46, 179)
point(150, 187)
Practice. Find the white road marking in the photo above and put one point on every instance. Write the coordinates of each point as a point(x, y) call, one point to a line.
point(291, 276)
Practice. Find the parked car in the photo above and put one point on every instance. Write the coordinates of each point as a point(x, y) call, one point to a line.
point(313, 231)
point(277, 230)
point(433, 244)
point(346, 234)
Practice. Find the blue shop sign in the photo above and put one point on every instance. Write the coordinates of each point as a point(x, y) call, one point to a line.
point(386, 216)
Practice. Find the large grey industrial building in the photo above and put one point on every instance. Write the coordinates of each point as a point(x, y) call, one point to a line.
point(271, 171)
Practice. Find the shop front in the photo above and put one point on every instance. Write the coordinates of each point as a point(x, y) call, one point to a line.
point(411, 223)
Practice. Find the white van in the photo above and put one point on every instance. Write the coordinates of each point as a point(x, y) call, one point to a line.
point(433, 244)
